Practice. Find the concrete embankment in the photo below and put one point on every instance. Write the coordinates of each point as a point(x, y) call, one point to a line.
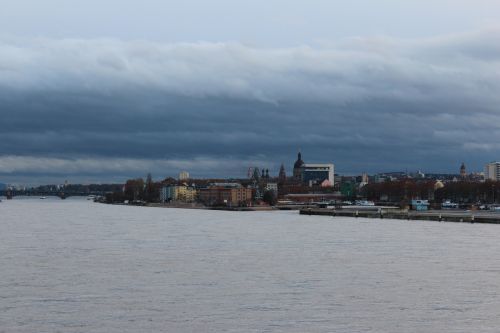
point(470, 217)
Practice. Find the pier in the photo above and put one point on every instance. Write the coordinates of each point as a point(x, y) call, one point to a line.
point(439, 216)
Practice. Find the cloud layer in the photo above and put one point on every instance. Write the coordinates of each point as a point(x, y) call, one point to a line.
point(367, 104)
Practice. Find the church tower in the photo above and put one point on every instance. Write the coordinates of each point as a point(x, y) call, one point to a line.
point(282, 174)
point(463, 172)
point(297, 167)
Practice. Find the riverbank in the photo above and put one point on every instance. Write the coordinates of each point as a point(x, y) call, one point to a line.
point(200, 206)
point(440, 216)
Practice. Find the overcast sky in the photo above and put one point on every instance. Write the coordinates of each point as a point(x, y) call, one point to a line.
point(101, 91)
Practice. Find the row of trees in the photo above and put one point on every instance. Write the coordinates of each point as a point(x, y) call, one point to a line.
point(407, 189)
point(398, 191)
point(470, 192)
point(140, 190)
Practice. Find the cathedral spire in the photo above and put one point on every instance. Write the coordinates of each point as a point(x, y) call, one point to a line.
point(297, 166)
point(282, 174)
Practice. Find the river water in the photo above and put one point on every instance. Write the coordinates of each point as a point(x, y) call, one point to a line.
point(78, 266)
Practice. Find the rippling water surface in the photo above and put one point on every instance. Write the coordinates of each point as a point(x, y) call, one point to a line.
point(77, 266)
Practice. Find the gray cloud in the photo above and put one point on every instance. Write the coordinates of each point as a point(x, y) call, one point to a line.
point(367, 104)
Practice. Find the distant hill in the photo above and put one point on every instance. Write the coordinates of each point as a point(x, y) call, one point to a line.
point(2, 187)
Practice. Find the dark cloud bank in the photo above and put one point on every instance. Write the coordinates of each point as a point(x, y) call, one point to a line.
point(105, 110)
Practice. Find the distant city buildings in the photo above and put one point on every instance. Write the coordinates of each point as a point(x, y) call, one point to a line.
point(273, 187)
point(492, 171)
point(317, 182)
point(181, 193)
point(226, 194)
point(314, 173)
point(309, 183)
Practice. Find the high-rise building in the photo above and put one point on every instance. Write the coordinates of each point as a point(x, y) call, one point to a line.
point(183, 175)
point(364, 178)
point(492, 171)
point(318, 174)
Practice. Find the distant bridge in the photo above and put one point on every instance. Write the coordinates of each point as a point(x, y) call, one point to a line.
point(52, 193)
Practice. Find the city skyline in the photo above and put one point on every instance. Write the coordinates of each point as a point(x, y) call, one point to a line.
point(118, 98)
point(272, 172)
point(249, 166)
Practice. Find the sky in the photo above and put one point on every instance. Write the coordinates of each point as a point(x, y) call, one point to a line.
point(94, 91)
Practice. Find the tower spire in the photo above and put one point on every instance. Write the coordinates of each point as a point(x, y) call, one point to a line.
point(297, 167)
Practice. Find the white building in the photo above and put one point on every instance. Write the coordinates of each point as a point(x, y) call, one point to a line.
point(181, 193)
point(183, 175)
point(272, 187)
point(318, 173)
point(492, 171)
